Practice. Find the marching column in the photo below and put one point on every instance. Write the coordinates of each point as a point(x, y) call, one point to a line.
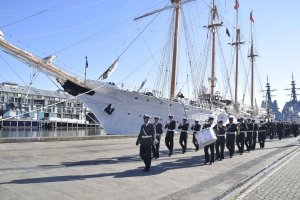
point(248, 140)
point(262, 130)
point(220, 130)
point(241, 134)
point(183, 135)
point(254, 135)
point(169, 140)
point(230, 136)
point(196, 127)
point(159, 132)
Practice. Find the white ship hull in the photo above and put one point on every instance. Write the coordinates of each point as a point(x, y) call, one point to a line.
point(131, 106)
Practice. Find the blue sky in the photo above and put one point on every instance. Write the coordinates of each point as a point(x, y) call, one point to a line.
point(109, 27)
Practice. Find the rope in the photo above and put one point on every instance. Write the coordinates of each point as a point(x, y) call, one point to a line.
point(33, 15)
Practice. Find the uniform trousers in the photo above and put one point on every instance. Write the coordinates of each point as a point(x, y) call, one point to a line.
point(248, 141)
point(240, 142)
point(169, 140)
point(220, 146)
point(230, 143)
point(254, 136)
point(155, 149)
point(145, 154)
point(183, 141)
point(211, 147)
point(195, 142)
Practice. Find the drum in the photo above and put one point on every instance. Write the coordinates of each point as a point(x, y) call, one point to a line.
point(206, 137)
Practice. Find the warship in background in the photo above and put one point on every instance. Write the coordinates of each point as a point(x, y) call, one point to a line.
point(271, 106)
point(291, 109)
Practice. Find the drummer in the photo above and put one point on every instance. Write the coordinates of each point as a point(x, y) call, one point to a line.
point(230, 136)
point(210, 146)
point(220, 129)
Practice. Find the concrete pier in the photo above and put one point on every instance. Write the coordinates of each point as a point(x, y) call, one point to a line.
point(112, 169)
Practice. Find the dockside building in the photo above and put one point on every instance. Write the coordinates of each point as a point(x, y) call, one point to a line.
point(21, 102)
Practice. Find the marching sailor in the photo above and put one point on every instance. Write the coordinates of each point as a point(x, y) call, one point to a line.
point(169, 140)
point(211, 146)
point(183, 135)
point(220, 130)
point(254, 135)
point(230, 136)
point(196, 127)
point(262, 134)
point(248, 140)
point(240, 137)
point(159, 132)
point(146, 138)
point(280, 129)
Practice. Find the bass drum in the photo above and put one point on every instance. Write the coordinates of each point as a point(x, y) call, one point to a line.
point(206, 137)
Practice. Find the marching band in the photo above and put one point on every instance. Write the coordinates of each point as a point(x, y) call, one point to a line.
point(211, 136)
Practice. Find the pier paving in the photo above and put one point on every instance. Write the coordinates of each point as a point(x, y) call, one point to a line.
point(112, 169)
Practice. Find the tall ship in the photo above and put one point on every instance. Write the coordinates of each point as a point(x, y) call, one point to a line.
point(120, 110)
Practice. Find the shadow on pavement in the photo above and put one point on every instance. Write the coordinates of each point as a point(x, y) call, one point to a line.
point(189, 162)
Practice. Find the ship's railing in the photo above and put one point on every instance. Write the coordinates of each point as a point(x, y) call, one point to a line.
point(203, 104)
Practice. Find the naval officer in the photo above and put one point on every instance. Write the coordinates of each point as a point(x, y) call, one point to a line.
point(196, 127)
point(184, 133)
point(169, 140)
point(230, 136)
point(146, 138)
point(159, 132)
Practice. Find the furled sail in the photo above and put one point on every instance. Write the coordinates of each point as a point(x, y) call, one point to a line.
point(109, 71)
point(142, 85)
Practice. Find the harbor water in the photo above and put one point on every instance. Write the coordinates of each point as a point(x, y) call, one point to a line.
point(37, 133)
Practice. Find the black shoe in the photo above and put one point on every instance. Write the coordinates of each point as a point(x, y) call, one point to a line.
point(220, 159)
point(147, 169)
point(211, 162)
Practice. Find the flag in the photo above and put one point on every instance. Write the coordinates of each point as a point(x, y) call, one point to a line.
point(110, 70)
point(86, 62)
point(237, 5)
point(227, 32)
point(251, 17)
point(142, 85)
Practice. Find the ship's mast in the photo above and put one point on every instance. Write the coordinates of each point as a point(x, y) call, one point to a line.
point(293, 90)
point(252, 58)
point(175, 48)
point(213, 26)
point(237, 44)
point(175, 4)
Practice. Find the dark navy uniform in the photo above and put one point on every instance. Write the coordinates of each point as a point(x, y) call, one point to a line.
point(230, 137)
point(280, 130)
point(159, 132)
point(254, 135)
point(262, 134)
point(147, 132)
point(220, 143)
point(196, 127)
point(211, 147)
point(169, 140)
point(248, 140)
point(183, 135)
point(295, 129)
point(240, 137)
